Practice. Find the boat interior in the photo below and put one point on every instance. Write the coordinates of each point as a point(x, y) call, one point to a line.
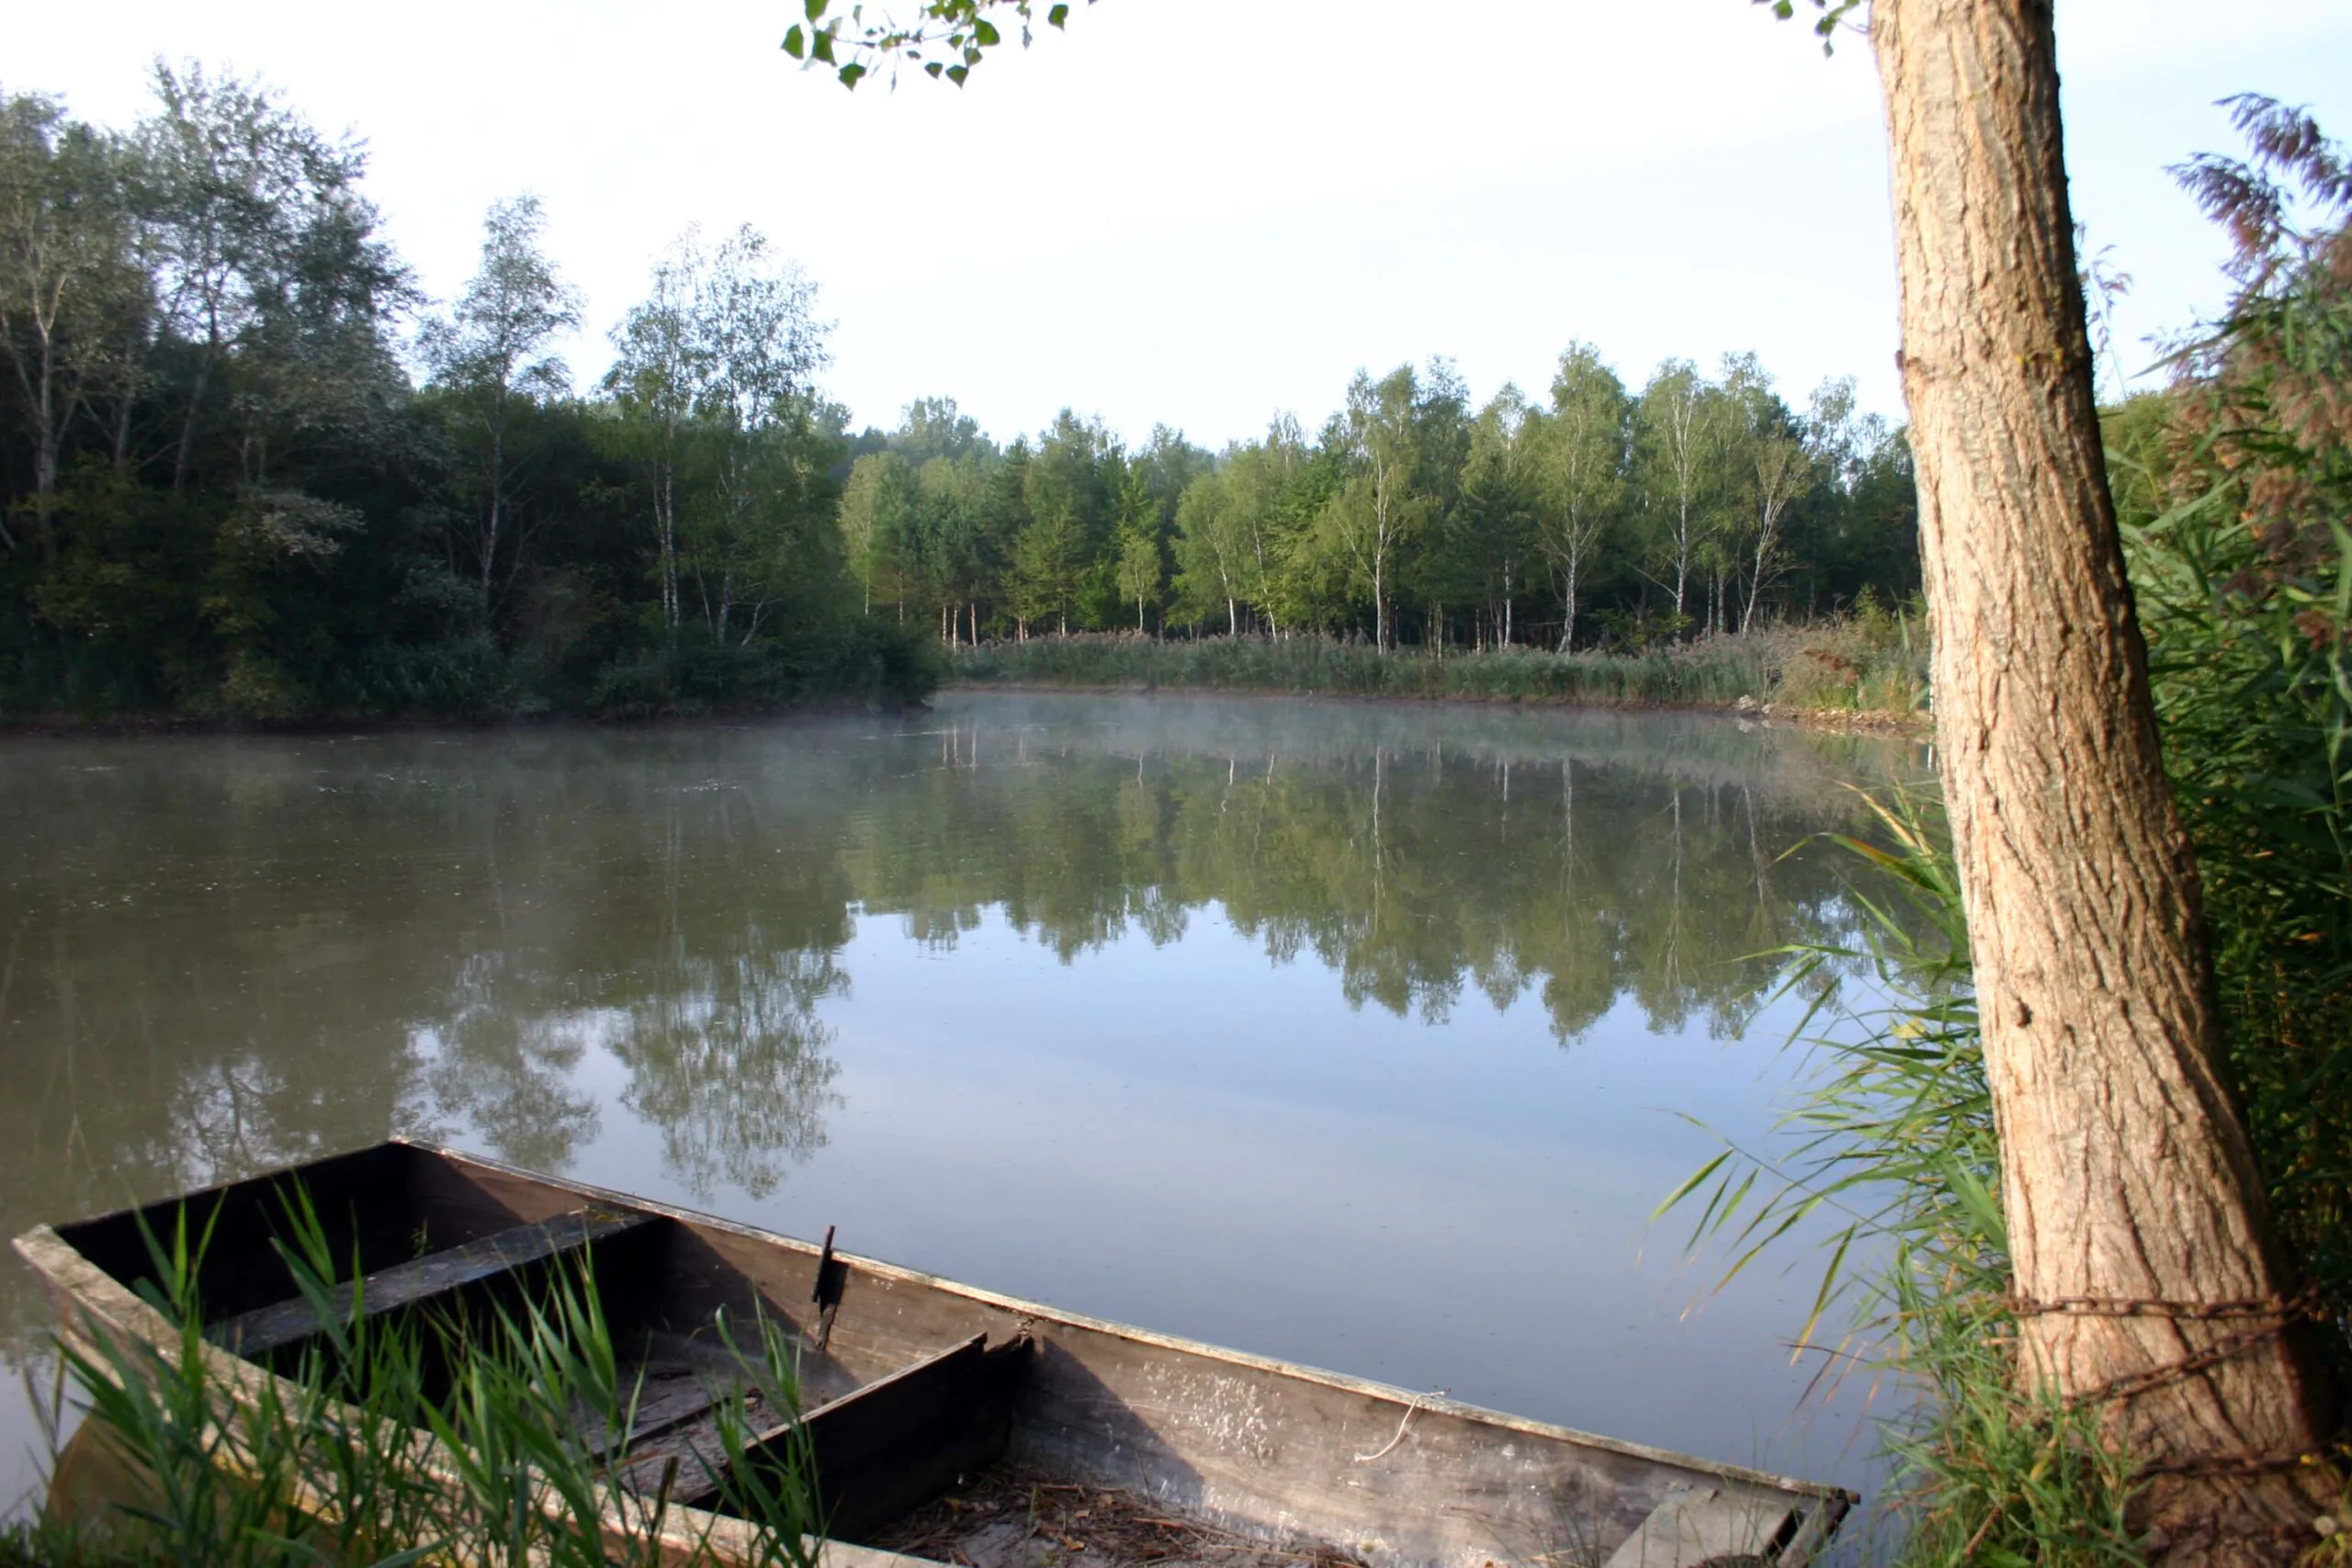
point(890, 1420)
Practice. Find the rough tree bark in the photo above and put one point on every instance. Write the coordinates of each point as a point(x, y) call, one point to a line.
point(2126, 1174)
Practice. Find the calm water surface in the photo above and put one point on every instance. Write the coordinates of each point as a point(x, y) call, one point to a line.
point(1360, 1035)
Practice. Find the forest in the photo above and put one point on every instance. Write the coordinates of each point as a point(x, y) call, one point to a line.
point(249, 470)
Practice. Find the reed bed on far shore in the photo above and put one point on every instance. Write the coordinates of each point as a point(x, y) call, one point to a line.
point(1866, 664)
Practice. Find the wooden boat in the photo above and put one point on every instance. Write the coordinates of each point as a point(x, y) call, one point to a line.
point(912, 1386)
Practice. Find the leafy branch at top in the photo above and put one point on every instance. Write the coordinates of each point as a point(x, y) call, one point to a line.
point(1833, 15)
point(946, 38)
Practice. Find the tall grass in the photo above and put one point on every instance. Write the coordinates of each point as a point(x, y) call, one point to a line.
point(1893, 1141)
point(447, 1436)
point(1873, 662)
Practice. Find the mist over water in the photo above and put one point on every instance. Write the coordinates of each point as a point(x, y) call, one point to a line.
point(1357, 1034)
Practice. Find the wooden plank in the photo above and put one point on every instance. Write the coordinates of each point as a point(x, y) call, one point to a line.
point(899, 1441)
point(1706, 1525)
point(435, 1276)
point(693, 1448)
point(665, 1398)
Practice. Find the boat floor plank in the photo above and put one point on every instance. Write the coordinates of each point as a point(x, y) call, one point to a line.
point(434, 1276)
point(1015, 1515)
point(1706, 1525)
point(818, 1377)
point(664, 1394)
point(697, 1450)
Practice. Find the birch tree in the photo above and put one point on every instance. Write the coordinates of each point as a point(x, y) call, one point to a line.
point(712, 371)
point(1674, 440)
point(1210, 549)
point(1496, 534)
point(490, 354)
point(1770, 465)
point(1140, 567)
point(652, 384)
point(1581, 461)
point(878, 521)
point(1271, 509)
point(1381, 505)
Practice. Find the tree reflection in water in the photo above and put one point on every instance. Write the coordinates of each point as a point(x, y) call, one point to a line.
point(1413, 870)
point(731, 1065)
point(226, 954)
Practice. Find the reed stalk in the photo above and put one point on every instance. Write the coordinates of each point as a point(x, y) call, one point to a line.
point(1891, 1143)
point(1872, 661)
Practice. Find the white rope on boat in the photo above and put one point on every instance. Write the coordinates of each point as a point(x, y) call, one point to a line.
point(1410, 1411)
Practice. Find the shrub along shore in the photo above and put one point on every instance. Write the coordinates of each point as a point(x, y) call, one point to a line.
point(1866, 669)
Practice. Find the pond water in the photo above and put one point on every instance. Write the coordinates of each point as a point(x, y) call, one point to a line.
point(1360, 1035)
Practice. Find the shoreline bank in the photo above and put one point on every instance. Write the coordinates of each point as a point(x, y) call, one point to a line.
point(1857, 721)
point(54, 726)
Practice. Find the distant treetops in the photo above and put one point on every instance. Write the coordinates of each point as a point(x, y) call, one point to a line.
point(1599, 515)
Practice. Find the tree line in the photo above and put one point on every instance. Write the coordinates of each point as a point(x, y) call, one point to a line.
point(1600, 515)
point(248, 470)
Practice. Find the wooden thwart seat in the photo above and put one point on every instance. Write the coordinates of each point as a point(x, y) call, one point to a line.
point(894, 1444)
point(435, 1276)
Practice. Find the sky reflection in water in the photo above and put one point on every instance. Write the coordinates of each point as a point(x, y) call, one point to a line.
point(1354, 1034)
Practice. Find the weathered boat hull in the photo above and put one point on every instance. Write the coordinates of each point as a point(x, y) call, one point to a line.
point(1264, 1450)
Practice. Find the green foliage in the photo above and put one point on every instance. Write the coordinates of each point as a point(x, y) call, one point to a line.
point(1826, 25)
point(221, 497)
point(947, 40)
point(2234, 487)
point(873, 661)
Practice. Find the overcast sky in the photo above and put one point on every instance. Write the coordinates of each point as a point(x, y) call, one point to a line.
point(1202, 212)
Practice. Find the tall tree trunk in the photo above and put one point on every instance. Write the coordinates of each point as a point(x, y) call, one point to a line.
point(497, 495)
point(1764, 542)
point(1568, 607)
point(48, 439)
point(1681, 557)
point(2126, 1176)
point(182, 458)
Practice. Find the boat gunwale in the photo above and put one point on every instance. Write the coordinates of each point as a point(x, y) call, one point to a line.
point(1429, 1404)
